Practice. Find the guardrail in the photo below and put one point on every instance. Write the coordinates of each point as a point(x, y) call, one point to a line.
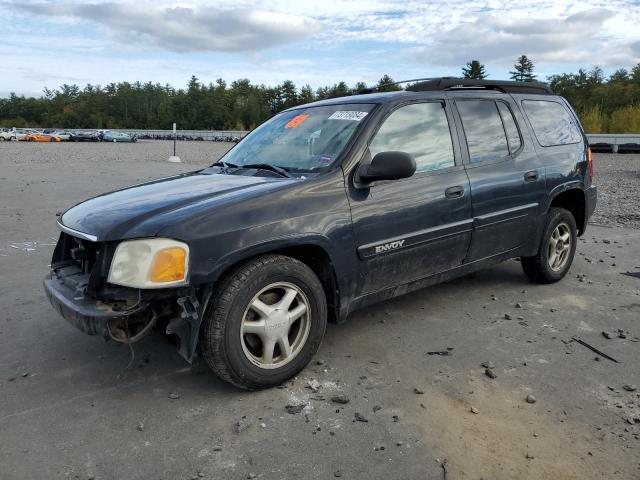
point(614, 143)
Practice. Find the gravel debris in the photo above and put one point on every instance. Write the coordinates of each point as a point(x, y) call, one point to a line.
point(294, 408)
point(360, 418)
point(241, 425)
point(341, 399)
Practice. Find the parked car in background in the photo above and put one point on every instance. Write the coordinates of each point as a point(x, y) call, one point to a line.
point(109, 136)
point(21, 133)
point(7, 135)
point(84, 137)
point(63, 134)
point(41, 137)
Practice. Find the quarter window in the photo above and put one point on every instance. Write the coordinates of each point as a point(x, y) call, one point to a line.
point(551, 123)
point(513, 136)
point(421, 130)
point(484, 130)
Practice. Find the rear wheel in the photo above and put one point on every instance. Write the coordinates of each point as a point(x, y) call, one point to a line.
point(557, 248)
point(265, 323)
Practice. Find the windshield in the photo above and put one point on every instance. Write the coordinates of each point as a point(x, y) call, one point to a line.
point(301, 140)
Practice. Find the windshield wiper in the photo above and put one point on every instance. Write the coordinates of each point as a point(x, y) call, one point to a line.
point(267, 166)
point(225, 166)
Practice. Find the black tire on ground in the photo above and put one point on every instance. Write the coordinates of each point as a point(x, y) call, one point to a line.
point(537, 267)
point(220, 340)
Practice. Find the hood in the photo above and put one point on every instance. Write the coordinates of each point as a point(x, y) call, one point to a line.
point(121, 214)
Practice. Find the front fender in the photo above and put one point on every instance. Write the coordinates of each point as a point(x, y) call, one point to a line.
point(234, 257)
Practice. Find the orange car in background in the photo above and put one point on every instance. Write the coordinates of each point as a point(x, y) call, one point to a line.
point(42, 137)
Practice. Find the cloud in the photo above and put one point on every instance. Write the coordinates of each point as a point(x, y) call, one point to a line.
point(577, 38)
point(186, 29)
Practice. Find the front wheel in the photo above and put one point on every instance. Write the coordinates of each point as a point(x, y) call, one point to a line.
point(265, 322)
point(557, 248)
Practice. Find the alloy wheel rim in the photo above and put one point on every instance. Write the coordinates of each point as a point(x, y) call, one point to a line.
point(559, 247)
point(275, 325)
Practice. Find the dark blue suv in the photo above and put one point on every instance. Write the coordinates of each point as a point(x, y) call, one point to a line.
point(322, 210)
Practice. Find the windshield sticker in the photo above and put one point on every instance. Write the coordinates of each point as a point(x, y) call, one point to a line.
point(325, 159)
point(296, 121)
point(348, 115)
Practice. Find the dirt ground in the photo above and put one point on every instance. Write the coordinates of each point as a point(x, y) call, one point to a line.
point(70, 409)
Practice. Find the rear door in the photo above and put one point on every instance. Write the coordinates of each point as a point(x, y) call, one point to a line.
point(507, 181)
point(415, 227)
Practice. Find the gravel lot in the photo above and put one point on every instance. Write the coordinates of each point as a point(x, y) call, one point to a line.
point(618, 180)
point(70, 409)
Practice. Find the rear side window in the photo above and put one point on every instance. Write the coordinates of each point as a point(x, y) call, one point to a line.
point(421, 130)
point(484, 131)
point(513, 135)
point(551, 123)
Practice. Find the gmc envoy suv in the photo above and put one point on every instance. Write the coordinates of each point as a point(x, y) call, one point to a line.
point(324, 209)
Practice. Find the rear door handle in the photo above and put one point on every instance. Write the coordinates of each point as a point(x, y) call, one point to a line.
point(454, 192)
point(531, 176)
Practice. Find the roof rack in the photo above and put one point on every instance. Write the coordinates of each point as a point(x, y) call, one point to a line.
point(504, 86)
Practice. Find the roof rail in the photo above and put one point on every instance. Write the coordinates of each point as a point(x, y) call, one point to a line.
point(504, 86)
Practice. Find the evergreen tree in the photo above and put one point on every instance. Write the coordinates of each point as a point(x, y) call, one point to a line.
point(523, 70)
point(306, 94)
point(386, 84)
point(359, 87)
point(474, 69)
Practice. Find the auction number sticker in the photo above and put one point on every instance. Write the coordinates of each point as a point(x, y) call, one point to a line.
point(348, 115)
point(296, 121)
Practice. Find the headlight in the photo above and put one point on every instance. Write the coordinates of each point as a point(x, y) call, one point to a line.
point(150, 263)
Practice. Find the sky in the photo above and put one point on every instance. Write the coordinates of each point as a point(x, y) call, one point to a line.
point(47, 44)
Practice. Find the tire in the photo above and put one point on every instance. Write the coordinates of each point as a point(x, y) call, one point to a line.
point(2, 139)
point(239, 357)
point(543, 267)
point(52, 139)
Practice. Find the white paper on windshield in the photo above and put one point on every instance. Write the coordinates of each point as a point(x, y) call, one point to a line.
point(348, 115)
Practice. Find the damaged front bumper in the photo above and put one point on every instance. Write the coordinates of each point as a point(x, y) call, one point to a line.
point(126, 315)
point(89, 315)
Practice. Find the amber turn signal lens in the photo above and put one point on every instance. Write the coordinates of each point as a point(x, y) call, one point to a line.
point(169, 265)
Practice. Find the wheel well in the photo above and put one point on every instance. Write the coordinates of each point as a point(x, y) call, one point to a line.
point(317, 259)
point(572, 200)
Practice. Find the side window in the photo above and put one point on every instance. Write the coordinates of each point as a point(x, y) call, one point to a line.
point(421, 130)
point(513, 136)
point(484, 131)
point(551, 123)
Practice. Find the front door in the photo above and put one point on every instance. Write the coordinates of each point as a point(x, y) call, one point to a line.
point(415, 227)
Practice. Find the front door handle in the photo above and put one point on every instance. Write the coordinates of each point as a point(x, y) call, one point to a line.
point(454, 192)
point(531, 176)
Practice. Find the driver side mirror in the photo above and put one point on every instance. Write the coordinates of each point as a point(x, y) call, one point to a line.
point(387, 166)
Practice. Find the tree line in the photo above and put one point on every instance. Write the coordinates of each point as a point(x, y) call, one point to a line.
point(604, 105)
